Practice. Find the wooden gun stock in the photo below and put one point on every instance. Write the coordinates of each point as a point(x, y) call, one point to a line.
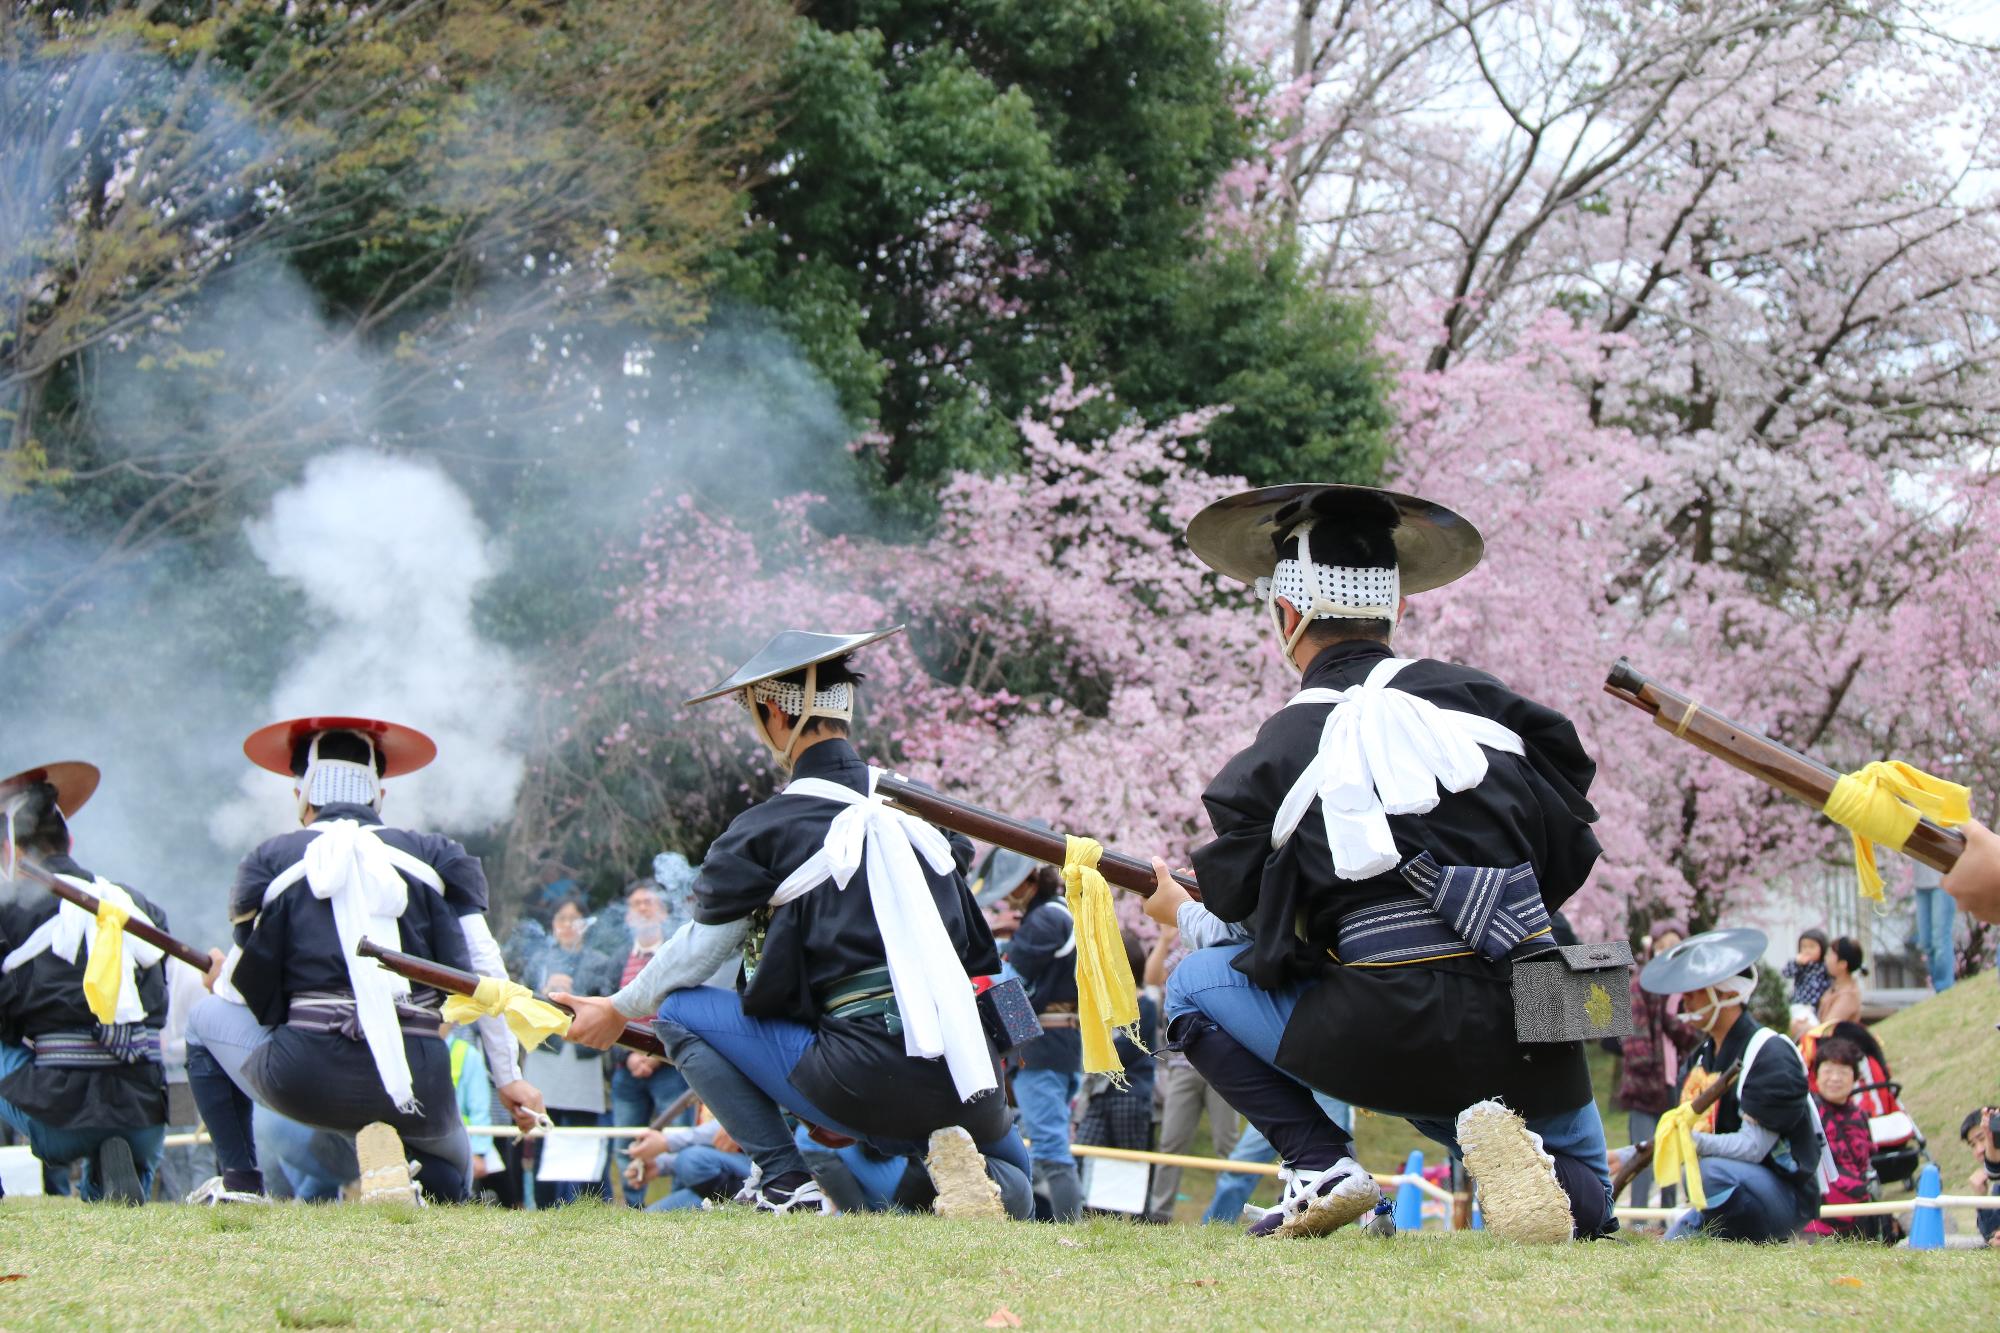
point(153, 935)
point(1642, 1153)
point(1037, 844)
point(452, 981)
point(1790, 772)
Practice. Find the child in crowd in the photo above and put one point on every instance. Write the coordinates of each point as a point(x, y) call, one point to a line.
point(1979, 1132)
point(1807, 971)
point(1836, 1068)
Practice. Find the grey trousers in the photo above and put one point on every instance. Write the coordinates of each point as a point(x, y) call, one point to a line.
point(1183, 1094)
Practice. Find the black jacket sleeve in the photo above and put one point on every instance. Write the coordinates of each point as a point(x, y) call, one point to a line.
point(733, 882)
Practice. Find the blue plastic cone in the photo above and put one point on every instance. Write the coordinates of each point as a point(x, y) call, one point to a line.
point(1927, 1227)
point(1410, 1199)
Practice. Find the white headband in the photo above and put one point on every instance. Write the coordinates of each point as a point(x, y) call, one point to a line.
point(1328, 592)
point(799, 703)
point(790, 697)
point(339, 781)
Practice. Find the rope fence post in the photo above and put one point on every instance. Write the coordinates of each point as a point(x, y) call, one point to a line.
point(1410, 1198)
point(1927, 1225)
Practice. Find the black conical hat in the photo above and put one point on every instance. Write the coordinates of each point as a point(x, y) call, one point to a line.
point(792, 650)
point(1235, 536)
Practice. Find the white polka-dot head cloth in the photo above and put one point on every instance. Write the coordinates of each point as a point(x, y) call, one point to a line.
point(790, 697)
point(1327, 592)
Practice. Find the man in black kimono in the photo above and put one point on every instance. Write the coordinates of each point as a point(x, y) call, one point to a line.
point(1764, 1164)
point(304, 1026)
point(75, 1083)
point(1390, 844)
point(855, 1010)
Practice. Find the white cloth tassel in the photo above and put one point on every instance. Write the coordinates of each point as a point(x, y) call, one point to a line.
point(934, 995)
point(72, 929)
point(1383, 752)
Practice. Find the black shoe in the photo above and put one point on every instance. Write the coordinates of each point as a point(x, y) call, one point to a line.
point(117, 1177)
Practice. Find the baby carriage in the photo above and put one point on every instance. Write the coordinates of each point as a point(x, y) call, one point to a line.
point(1897, 1148)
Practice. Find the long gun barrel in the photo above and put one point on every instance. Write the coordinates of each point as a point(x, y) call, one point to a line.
point(439, 977)
point(134, 927)
point(1037, 844)
point(1642, 1153)
point(1790, 772)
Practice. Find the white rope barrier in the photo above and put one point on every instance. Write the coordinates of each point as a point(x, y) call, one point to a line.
point(1219, 1164)
point(1829, 1211)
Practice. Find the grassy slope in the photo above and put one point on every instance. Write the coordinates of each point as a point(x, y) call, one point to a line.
point(1946, 1054)
point(294, 1266)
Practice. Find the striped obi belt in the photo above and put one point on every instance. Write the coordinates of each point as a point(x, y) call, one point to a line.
point(107, 1046)
point(336, 1012)
point(1458, 911)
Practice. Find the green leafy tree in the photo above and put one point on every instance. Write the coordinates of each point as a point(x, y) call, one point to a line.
point(414, 188)
point(967, 197)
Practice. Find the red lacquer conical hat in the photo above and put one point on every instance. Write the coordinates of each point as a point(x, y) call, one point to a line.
point(75, 782)
point(403, 749)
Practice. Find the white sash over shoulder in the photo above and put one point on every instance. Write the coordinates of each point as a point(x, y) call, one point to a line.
point(72, 928)
point(933, 993)
point(1383, 752)
point(357, 874)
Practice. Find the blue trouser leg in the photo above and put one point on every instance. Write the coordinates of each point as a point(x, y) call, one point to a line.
point(1234, 1188)
point(225, 1110)
point(741, 1069)
point(220, 1037)
point(58, 1146)
point(1230, 1029)
point(635, 1101)
point(315, 1163)
point(1044, 1097)
point(1936, 914)
point(1746, 1201)
point(1016, 1195)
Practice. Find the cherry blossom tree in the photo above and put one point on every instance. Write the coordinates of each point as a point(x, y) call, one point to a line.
point(1694, 309)
point(1065, 658)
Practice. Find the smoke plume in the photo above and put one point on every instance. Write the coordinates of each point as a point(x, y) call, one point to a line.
point(390, 557)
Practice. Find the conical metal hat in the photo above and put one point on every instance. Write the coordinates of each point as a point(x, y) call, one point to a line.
point(792, 650)
point(1236, 536)
point(1703, 960)
point(1003, 872)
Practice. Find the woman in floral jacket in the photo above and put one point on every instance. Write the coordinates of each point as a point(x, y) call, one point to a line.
point(1836, 1066)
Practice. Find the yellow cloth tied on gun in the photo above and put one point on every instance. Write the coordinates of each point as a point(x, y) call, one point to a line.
point(532, 1021)
point(1882, 802)
point(105, 972)
point(1674, 1153)
point(1107, 1001)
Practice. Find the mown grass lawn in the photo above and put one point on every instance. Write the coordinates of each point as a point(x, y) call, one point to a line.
point(592, 1267)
